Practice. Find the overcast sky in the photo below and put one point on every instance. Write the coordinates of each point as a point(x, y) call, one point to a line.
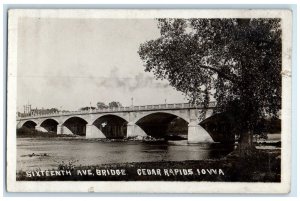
point(68, 63)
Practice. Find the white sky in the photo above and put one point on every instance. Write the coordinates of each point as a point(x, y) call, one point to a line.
point(69, 63)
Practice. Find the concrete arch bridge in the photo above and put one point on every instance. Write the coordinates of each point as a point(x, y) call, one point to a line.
point(122, 122)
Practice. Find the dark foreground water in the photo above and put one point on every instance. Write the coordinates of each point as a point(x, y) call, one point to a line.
point(48, 153)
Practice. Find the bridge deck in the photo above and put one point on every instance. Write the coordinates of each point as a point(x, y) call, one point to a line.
point(120, 109)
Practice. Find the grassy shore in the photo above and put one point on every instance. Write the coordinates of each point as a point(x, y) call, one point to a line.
point(263, 166)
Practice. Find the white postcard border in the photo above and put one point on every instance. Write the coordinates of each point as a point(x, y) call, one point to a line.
point(161, 186)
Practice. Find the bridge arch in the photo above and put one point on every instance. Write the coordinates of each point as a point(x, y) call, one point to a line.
point(220, 127)
point(74, 125)
point(177, 114)
point(97, 116)
point(50, 125)
point(111, 125)
point(163, 125)
point(29, 124)
point(66, 118)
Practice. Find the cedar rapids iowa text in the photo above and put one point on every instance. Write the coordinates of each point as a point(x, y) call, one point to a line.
point(122, 172)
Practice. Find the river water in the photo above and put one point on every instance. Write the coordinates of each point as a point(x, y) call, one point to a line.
point(48, 153)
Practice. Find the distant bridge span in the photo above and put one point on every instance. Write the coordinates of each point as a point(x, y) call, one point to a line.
point(127, 121)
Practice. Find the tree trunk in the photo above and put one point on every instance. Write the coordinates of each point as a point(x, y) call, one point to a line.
point(246, 147)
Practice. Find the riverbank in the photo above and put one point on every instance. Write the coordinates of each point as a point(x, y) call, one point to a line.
point(263, 166)
point(32, 133)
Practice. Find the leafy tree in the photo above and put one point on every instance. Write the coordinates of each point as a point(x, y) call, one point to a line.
point(44, 111)
point(101, 105)
point(114, 104)
point(53, 110)
point(87, 108)
point(236, 62)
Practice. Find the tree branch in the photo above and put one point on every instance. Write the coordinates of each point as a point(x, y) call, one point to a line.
point(223, 75)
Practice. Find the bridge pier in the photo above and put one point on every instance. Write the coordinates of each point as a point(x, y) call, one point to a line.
point(93, 132)
point(197, 134)
point(134, 130)
point(39, 128)
point(61, 129)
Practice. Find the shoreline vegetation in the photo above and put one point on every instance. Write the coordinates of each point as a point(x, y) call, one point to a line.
point(32, 133)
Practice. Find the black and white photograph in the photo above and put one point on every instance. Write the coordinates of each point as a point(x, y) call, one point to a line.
point(99, 99)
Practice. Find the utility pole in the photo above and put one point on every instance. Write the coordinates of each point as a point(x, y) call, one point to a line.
point(131, 101)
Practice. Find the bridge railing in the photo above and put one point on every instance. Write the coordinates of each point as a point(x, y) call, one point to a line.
point(120, 109)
